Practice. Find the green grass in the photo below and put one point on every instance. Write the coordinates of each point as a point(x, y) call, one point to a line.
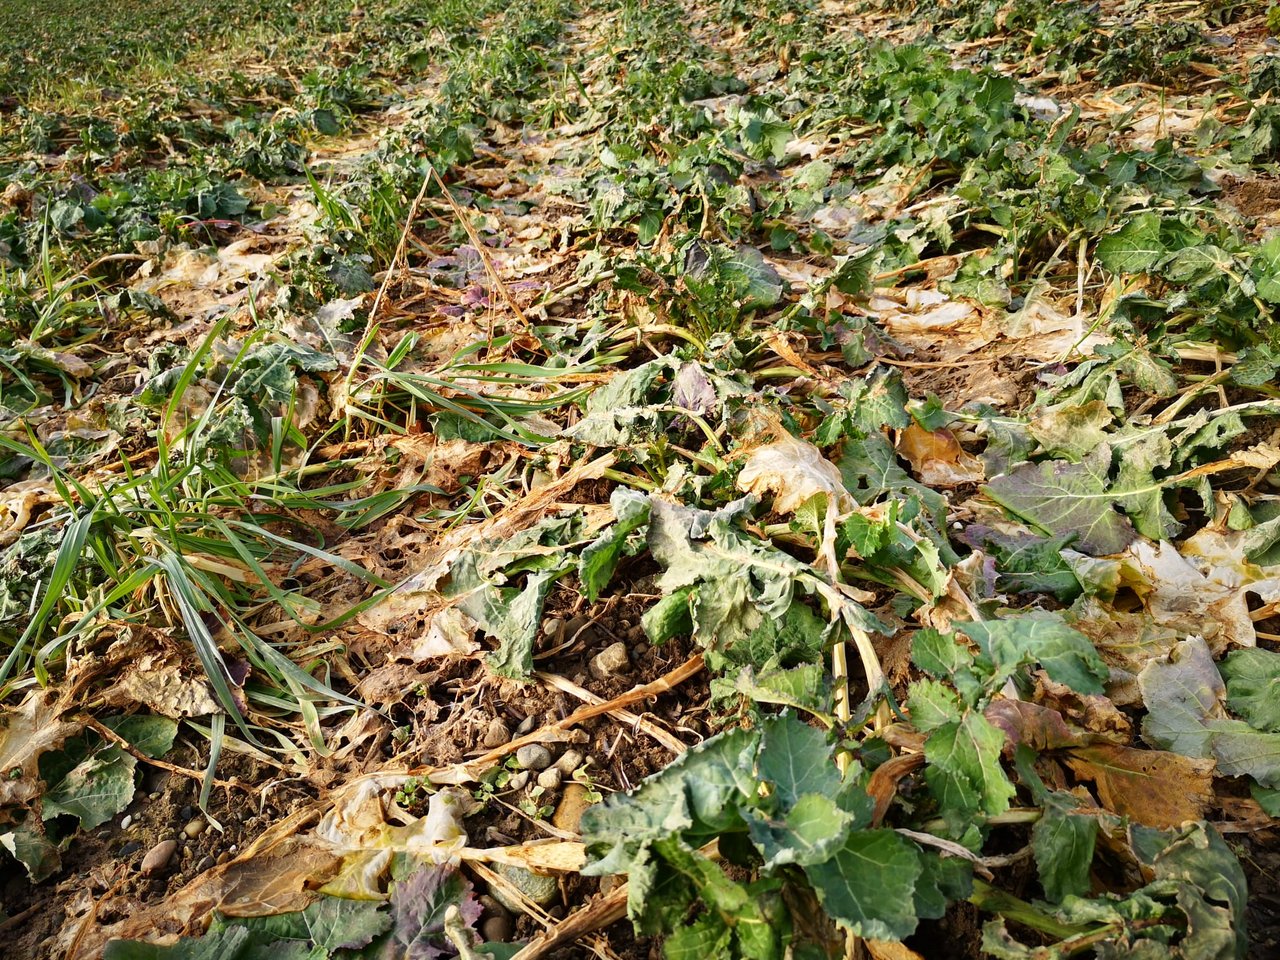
point(81, 41)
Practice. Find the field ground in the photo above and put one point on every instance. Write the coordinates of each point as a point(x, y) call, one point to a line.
point(422, 422)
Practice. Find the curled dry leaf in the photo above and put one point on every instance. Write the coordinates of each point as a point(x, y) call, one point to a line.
point(27, 731)
point(450, 633)
point(937, 457)
point(794, 472)
point(169, 685)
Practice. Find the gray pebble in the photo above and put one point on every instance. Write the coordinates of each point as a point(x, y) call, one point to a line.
point(549, 779)
point(130, 848)
point(541, 890)
point(570, 762)
point(518, 780)
point(205, 863)
point(497, 929)
point(526, 725)
point(533, 756)
point(158, 857)
point(610, 661)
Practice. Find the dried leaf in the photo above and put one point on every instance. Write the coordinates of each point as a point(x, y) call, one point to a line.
point(938, 459)
point(1136, 783)
point(794, 472)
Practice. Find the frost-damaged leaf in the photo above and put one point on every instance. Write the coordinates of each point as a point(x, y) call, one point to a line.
point(1266, 270)
point(418, 907)
point(1184, 697)
point(694, 795)
point(361, 829)
point(29, 846)
point(95, 789)
point(513, 615)
point(868, 886)
point(622, 410)
point(794, 472)
point(598, 560)
point(1253, 687)
point(1065, 653)
point(964, 769)
point(1062, 841)
point(1060, 497)
point(804, 687)
point(1193, 908)
point(736, 580)
point(1134, 248)
point(331, 923)
point(1072, 431)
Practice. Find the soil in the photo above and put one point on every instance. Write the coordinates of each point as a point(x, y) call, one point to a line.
point(102, 867)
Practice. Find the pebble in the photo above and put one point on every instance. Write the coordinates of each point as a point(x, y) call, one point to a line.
point(186, 812)
point(570, 761)
point(610, 661)
point(495, 735)
point(549, 779)
point(224, 856)
point(158, 857)
point(130, 848)
point(497, 929)
point(533, 756)
point(205, 863)
point(194, 829)
point(576, 625)
point(573, 805)
point(526, 725)
point(518, 780)
point(125, 821)
point(541, 890)
point(551, 628)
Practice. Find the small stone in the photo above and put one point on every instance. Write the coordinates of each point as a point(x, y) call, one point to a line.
point(205, 863)
point(495, 735)
point(491, 907)
point(641, 649)
point(570, 761)
point(498, 929)
point(573, 805)
point(551, 628)
point(130, 848)
point(610, 661)
point(549, 779)
point(576, 626)
point(194, 829)
point(541, 890)
point(224, 856)
point(518, 780)
point(125, 821)
point(609, 883)
point(158, 857)
point(186, 812)
point(533, 756)
point(526, 725)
